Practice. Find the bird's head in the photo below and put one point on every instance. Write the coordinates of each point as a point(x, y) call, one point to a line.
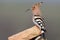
point(37, 5)
point(36, 8)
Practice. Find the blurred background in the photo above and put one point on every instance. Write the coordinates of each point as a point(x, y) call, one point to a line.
point(14, 19)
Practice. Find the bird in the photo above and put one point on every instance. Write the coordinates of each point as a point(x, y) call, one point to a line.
point(38, 20)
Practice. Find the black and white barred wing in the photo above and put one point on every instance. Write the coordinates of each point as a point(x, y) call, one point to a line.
point(39, 22)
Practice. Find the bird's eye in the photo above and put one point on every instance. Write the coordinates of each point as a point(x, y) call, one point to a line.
point(33, 8)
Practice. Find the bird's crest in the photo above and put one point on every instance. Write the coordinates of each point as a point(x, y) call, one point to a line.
point(35, 5)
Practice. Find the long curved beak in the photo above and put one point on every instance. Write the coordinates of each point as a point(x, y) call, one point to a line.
point(41, 2)
point(27, 10)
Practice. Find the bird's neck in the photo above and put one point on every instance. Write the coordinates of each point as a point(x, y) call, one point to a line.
point(37, 14)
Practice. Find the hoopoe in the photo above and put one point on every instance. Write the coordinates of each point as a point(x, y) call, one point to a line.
point(37, 19)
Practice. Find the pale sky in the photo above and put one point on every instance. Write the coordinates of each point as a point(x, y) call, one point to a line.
point(21, 1)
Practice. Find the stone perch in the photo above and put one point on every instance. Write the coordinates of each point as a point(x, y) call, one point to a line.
point(26, 34)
